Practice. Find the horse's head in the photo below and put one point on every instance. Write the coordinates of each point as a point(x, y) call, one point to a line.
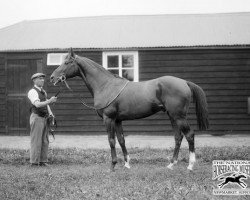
point(67, 69)
point(242, 176)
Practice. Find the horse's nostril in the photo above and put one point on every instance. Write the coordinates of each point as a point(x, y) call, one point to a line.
point(51, 78)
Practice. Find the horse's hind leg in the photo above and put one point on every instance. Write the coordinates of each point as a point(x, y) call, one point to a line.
point(221, 185)
point(121, 140)
point(110, 126)
point(189, 134)
point(178, 139)
point(184, 127)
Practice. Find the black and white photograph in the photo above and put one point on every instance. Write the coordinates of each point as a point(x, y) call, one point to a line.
point(125, 100)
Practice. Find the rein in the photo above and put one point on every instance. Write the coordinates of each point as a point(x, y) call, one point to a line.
point(63, 79)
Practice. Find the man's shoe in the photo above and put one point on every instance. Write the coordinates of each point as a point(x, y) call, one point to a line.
point(43, 164)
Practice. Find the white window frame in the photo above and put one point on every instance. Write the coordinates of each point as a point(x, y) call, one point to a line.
point(59, 61)
point(120, 54)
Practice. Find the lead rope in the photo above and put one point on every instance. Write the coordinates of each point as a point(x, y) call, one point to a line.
point(63, 79)
point(52, 122)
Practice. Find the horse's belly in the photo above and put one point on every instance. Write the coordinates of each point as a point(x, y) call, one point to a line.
point(139, 100)
point(138, 109)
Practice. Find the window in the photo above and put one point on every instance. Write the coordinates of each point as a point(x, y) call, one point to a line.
point(55, 58)
point(124, 64)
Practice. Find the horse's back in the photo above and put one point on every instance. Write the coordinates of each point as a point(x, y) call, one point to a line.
point(167, 86)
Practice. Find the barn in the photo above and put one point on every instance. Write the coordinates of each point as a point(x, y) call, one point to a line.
point(211, 50)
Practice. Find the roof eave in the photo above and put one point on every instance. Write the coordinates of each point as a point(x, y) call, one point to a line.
point(236, 46)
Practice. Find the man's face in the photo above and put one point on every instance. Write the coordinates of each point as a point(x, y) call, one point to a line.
point(39, 81)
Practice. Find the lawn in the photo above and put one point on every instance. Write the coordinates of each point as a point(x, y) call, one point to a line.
point(84, 174)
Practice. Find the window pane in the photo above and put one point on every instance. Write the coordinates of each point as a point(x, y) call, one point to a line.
point(114, 71)
point(128, 74)
point(54, 58)
point(63, 57)
point(127, 61)
point(113, 61)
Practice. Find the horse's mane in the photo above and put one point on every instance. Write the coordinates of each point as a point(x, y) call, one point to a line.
point(99, 67)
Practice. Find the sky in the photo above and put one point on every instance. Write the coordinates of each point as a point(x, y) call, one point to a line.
point(14, 11)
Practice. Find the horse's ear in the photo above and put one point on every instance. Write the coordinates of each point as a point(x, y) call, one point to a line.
point(71, 53)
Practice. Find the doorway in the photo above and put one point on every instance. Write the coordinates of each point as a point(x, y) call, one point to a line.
point(18, 84)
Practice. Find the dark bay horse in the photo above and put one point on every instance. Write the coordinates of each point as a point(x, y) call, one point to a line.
point(116, 99)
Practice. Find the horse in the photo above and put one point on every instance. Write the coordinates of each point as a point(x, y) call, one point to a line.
point(116, 99)
point(233, 179)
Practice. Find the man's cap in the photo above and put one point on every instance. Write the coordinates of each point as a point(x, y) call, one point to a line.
point(37, 75)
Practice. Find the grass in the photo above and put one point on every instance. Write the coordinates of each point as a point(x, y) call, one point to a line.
point(84, 174)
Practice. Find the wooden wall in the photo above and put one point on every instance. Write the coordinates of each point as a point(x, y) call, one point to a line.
point(224, 74)
point(15, 72)
point(2, 94)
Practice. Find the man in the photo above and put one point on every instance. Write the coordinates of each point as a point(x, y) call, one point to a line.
point(40, 111)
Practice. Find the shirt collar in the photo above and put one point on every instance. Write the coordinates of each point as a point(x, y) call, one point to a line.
point(39, 88)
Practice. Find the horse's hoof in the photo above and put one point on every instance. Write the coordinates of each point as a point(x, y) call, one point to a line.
point(112, 168)
point(170, 166)
point(127, 165)
point(190, 168)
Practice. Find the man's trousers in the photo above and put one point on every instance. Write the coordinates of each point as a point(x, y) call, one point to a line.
point(39, 139)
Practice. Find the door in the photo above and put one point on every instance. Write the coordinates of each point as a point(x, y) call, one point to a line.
point(19, 83)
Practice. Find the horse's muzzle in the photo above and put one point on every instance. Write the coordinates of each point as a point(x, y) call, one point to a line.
point(55, 80)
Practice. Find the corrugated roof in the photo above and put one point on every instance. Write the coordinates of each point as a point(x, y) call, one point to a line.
point(128, 32)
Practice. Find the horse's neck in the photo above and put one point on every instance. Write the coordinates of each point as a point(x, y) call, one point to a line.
point(94, 78)
point(86, 83)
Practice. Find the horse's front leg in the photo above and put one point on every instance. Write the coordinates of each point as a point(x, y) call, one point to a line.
point(110, 127)
point(121, 140)
point(242, 184)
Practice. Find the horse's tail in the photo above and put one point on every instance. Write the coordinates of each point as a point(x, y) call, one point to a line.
point(201, 106)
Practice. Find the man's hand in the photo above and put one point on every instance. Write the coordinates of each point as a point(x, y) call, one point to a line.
point(53, 99)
